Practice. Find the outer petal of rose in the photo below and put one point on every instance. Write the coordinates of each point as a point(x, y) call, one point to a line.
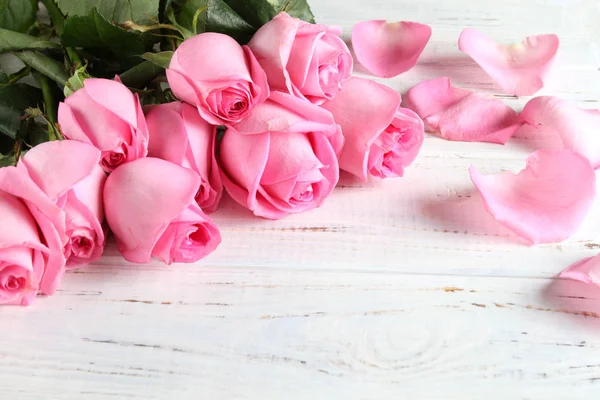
point(363, 109)
point(50, 219)
point(578, 128)
point(544, 203)
point(211, 46)
point(272, 45)
point(114, 96)
point(58, 165)
point(141, 198)
point(586, 270)
point(254, 149)
point(520, 69)
point(389, 49)
point(286, 113)
point(168, 138)
point(462, 115)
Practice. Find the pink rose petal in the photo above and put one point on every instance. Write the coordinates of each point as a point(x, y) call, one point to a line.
point(577, 128)
point(521, 68)
point(389, 49)
point(544, 203)
point(586, 271)
point(460, 114)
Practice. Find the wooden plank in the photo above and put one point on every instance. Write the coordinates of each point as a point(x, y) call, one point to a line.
point(190, 333)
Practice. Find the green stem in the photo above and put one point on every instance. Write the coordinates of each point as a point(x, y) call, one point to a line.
point(74, 57)
point(20, 74)
point(50, 104)
point(58, 20)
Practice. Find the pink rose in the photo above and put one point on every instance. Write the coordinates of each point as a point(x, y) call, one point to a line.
point(304, 59)
point(289, 166)
point(218, 76)
point(381, 139)
point(69, 174)
point(178, 134)
point(31, 239)
point(107, 115)
point(150, 208)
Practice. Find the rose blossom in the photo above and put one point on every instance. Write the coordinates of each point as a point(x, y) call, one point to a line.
point(31, 239)
point(304, 59)
point(218, 76)
point(107, 115)
point(150, 208)
point(69, 174)
point(178, 134)
point(278, 161)
point(381, 138)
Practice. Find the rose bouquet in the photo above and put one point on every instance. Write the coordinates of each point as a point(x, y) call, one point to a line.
point(132, 121)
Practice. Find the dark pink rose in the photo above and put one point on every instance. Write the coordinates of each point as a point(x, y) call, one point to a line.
point(178, 134)
point(105, 114)
point(221, 78)
point(151, 210)
point(306, 60)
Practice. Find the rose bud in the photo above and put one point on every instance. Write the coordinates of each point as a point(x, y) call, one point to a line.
point(178, 134)
point(31, 239)
point(151, 210)
point(69, 174)
point(381, 139)
point(303, 59)
point(105, 114)
point(288, 167)
point(221, 78)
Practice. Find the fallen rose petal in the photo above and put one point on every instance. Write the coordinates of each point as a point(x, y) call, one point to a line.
point(521, 68)
point(389, 49)
point(577, 128)
point(544, 203)
point(460, 114)
point(586, 271)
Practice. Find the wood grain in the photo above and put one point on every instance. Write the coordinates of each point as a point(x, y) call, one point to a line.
point(403, 289)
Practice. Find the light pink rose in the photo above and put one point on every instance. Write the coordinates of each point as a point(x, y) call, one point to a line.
point(279, 162)
point(221, 78)
point(68, 173)
point(381, 139)
point(304, 59)
point(178, 134)
point(107, 115)
point(150, 208)
point(31, 239)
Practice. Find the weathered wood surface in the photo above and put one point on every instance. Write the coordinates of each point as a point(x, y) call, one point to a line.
point(397, 290)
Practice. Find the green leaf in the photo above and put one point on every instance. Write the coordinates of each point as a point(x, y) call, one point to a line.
point(214, 16)
point(161, 59)
point(259, 12)
point(138, 76)
point(45, 65)
point(94, 31)
point(7, 160)
point(140, 11)
point(17, 15)
point(14, 99)
point(14, 41)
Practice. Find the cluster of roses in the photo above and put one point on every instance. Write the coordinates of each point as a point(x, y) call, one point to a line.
point(293, 117)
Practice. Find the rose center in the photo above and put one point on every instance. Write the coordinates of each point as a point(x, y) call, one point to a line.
point(82, 246)
point(14, 284)
point(305, 196)
point(199, 236)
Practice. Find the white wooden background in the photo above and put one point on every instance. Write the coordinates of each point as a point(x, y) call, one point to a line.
point(400, 290)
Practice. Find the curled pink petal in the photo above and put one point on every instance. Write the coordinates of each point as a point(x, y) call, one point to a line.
point(586, 271)
point(577, 128)
point(521, 68)
point(544, 203)
point(460, 114)
point(389, 49)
